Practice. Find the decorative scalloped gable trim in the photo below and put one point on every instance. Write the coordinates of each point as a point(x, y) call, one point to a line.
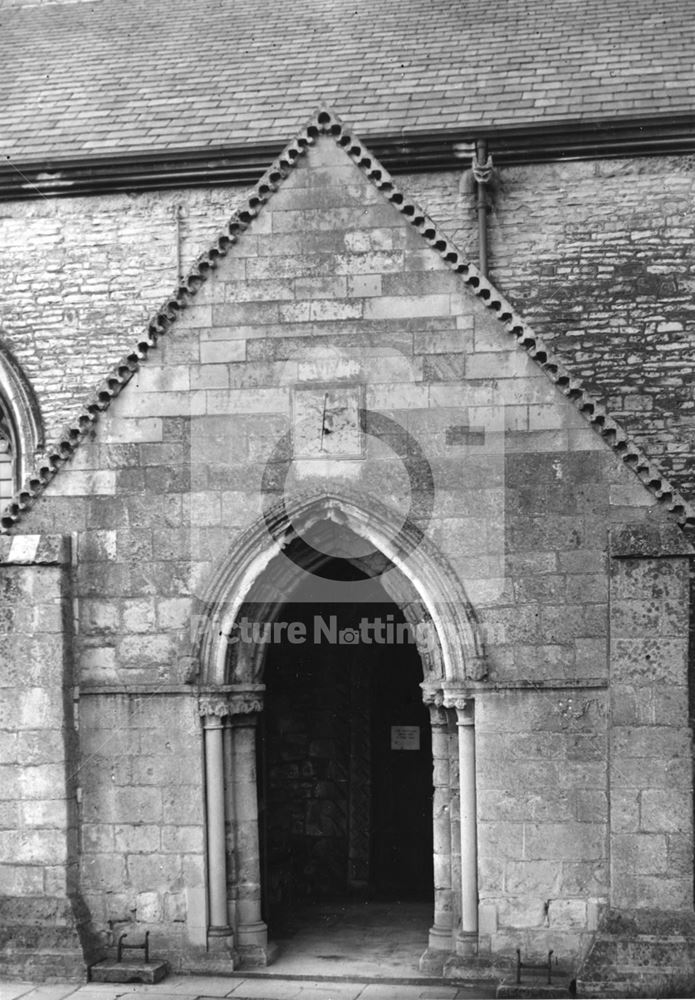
point(325, 122)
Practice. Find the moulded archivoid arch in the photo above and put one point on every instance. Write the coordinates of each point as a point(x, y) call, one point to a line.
point(255, 573)
point(19, 402)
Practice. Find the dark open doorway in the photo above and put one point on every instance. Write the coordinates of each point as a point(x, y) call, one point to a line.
point(345, 761)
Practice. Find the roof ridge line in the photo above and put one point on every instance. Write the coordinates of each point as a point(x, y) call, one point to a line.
point(326, 122)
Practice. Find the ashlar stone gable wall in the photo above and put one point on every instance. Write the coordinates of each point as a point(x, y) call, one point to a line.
point(332, 295)
point(595, 254)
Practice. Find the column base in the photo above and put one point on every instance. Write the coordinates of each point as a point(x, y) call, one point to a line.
point(255, 957)
point(255, 952)
point(223, 931)
point(221, 947)
point(432, 961)
point(467, 943)
point(440, 939)
point(473, 968)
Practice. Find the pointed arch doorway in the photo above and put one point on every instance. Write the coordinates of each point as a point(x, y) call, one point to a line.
point(416, 590)
point(344, 748)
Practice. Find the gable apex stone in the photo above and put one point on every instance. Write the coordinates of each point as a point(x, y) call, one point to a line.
point(327, 124)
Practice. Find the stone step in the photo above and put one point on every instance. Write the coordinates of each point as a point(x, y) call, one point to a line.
point(639, 982)
point(474, 968)
point(641, 953)
point(128, 971)
point(43, 965)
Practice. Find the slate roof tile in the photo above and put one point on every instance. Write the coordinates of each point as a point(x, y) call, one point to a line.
point(196, 73)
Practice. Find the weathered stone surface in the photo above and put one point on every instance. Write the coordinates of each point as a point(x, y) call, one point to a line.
point(45, 929)
point(641, 953)
point(653, 540)
point(331, 284)
point(650, 793)
point(130, 971)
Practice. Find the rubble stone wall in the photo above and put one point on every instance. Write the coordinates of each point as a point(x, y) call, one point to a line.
point(597, 257)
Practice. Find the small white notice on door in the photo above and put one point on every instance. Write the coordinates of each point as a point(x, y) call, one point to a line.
point(405, 737)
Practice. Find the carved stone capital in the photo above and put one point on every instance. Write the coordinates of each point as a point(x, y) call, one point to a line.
point(213, 705)
point(432, 695)
point(458, 702)
point(462, 701)
point(246, 704)
point(438, 715)
point(231, 701)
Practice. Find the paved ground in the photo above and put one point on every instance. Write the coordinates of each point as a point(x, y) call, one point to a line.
point(344, 939)
point(258, 988)
point(339, 950)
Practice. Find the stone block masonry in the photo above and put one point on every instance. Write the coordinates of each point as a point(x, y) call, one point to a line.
point(597, 256)
point(542, 816)
point(643, 946)
point(651, 755)
point(594, 255)
point(46, 927)
point(143, 829)
point(331, 303)
point(213, 441)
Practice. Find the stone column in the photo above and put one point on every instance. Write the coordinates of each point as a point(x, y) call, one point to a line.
point(213, 711)
point(251, 930)
point(229, 823)
point(468, 935)
point(440, 936)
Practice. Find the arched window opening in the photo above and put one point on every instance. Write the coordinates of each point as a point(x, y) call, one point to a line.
point(8, 457)
point(21, 427)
